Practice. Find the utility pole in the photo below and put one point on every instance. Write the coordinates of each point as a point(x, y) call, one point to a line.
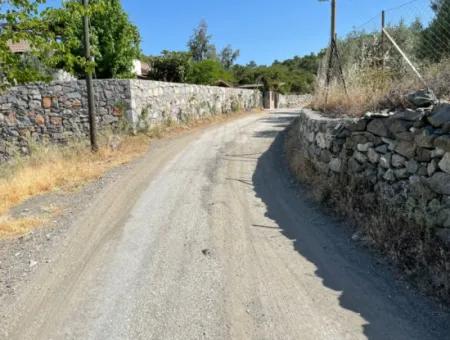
point(383, 22)
point(333, 21)
point(334, 53)
point(89, 85)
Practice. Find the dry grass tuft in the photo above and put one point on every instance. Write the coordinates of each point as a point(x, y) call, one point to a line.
point(51, 167)
point(10, 227)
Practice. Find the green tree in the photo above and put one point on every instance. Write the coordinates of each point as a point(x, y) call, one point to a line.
point(115, 40)
point(170, 66)
point(208, 72)
point(228, 56)
point(19, 21)
point(200, 45)
point(435, 39)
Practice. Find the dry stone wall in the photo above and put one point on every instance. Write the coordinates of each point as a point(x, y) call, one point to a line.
point(405, 156)
point(153, 101)
point(293, 100)
point(391, 173)
point(56, 112)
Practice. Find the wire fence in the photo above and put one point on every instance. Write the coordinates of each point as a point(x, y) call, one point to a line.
point(401, 49)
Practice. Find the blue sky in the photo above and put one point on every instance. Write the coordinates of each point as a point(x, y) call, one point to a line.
point(263, 30)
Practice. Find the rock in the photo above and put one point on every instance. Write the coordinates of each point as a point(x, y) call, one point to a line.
point(385, 161)
point(360, 157)
point(432, 167)
point(396, 125)
point(373, 156)
point(401, 173)
point(422, 171)
point(425, 139)
point(406, 149)
point(398, 161)
point(440, 115)
point(409, 115)
point(323, 140)
point(389, 175)
point(421, 98)
point(423, 155)
point(357, 125)
point(355, 166)
point(440, 183)
point(443, 142)
point(390, 142)
point(436, 153)
point(444, 164)
point(405, 136)
point(335, 165)
point(444, 235)
point(412, 166)
point(444, 218)
point(364, 147)
point(382, 148)
point(46, 102)
point(378, 128)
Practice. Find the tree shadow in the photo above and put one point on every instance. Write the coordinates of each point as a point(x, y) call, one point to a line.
point(367, 286)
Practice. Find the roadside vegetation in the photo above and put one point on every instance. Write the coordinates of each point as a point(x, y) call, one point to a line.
point(377, 77)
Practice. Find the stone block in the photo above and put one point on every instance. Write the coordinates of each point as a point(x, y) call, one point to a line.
point(423, 155)
point(444, 164)
point(425, 138)
point(398, 161)
point(364, 147)
point(443, 142)
point(412, 166)
point(440, 183)
point(389, 175)
point(440, 115)
point(406, 149)
point(47, 102)
point(378, 128)
point(432, 167)
point(421, 98)
point(401, 173)
point(385, 160)
point(335, 165)
point(373, 156)
point(360, 157)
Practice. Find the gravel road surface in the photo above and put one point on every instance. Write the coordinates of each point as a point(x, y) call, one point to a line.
point(207, 237)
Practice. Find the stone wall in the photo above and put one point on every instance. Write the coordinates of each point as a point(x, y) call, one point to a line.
point(286, 101)
point(391, 174)
point(56, 112)
point(153, 101)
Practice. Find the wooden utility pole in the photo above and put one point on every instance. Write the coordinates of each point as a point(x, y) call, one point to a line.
point(383, 23)
point(334, 52)
point(89, 85)
point(333, 21)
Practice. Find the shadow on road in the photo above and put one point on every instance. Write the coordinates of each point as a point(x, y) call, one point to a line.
point(366, 287)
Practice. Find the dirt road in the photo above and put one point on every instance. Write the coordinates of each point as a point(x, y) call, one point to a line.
point(207, 238)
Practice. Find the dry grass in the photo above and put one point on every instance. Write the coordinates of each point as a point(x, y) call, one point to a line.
point(372, 90)
point(10, 227)
point(51, 168)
